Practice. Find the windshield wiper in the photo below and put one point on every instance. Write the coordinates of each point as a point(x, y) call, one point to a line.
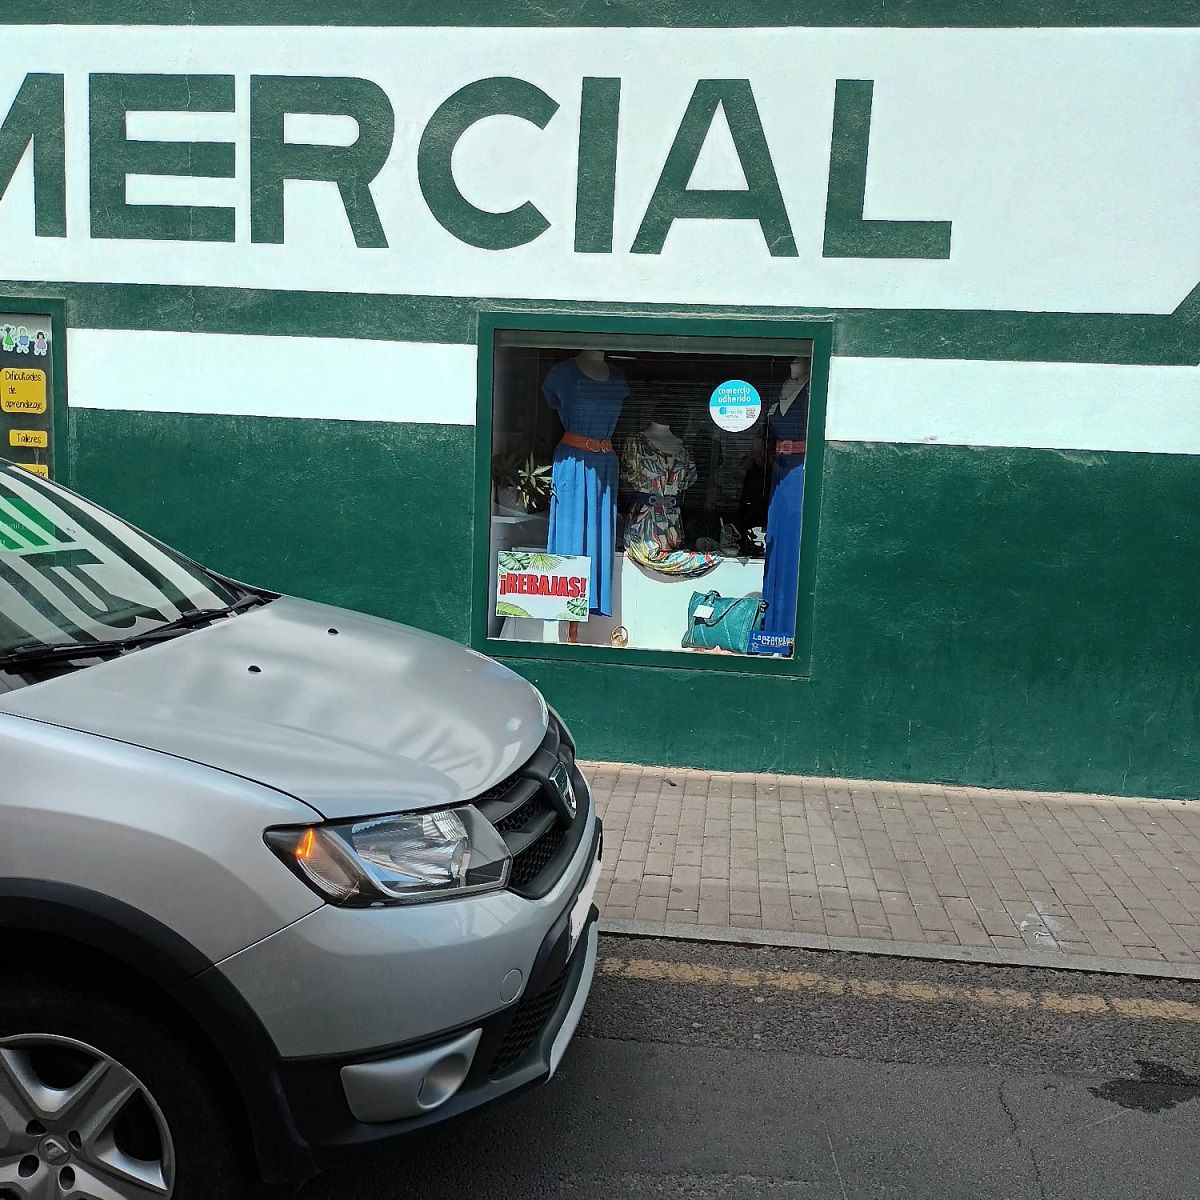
point(192, 620)
point(45, 653)
point(39, 653)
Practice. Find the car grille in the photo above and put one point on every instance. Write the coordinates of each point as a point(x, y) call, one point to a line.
point(497, 790)
point(520, 817)
point(528, 1021)
point(526, 811)
point(529, 864)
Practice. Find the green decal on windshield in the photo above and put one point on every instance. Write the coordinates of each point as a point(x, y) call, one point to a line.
point(30, 530)
point(64, 569)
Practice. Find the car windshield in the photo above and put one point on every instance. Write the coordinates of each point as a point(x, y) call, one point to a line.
point(71, 573)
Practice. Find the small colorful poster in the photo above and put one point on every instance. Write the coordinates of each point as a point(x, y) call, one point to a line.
point(735, 405)
point(26, 393)
point(547, 587)
point(29, 439)
point(22, 390)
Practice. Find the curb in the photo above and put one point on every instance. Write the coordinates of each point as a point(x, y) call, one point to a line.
point(1051, 959)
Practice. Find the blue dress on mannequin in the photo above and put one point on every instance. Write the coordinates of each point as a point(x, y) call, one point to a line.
point(583, 503)
point(781, 578)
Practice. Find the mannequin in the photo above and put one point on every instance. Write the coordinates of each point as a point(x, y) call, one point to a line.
point(661, 438)
point(788, 425)
point(657, 469)
point(593, 364)
point(798, 375)
point(587, 392)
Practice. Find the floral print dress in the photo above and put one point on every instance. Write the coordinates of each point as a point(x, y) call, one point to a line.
point(654, 529)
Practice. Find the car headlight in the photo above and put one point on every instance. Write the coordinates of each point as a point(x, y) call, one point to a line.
point(402, 859)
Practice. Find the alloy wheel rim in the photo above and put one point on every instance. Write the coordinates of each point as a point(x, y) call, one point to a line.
point(76, 1123)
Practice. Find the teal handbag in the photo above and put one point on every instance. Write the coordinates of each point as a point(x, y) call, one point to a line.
point(717, 622)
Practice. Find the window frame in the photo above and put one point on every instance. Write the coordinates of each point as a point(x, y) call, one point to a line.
point(710, 329)
point(55, 308)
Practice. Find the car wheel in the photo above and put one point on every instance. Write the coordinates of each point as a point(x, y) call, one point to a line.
point(102, 1100)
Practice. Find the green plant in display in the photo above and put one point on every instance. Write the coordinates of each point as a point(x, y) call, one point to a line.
point(521, 475)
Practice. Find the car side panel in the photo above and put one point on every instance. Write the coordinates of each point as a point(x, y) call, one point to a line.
point(180, 842)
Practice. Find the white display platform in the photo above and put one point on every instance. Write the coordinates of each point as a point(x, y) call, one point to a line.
point(653, 608)
point(512, 533)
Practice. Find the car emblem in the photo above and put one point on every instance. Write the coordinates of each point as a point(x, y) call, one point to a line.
point(561, 779)
point(54, 1151)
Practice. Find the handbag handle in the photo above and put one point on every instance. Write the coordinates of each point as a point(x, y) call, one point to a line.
point(716, 617)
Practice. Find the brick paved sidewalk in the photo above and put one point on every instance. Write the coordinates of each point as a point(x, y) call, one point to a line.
point(961, 872)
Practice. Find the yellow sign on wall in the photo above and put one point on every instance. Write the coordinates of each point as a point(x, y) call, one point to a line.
point(33, 439)
point(37, 468)
point(22, 390)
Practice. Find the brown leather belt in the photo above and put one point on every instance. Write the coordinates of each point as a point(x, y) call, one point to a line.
point(595, 445)
point(790, 447)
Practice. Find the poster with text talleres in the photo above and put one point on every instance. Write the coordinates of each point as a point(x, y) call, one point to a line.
point(547, 587)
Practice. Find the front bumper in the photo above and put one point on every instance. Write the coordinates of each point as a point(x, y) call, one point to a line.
point(404, 1000)
point(511, 1050)
point(343, 981)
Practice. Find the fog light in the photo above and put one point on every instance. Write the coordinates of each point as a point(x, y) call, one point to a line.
point(443, 1081)
point(410, 1084)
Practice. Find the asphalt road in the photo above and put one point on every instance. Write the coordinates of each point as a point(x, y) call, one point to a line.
point(712, 1071)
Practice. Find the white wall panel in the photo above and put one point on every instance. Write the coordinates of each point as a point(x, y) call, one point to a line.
point(352, 380)
point(1065, 406)
point(1065, 158)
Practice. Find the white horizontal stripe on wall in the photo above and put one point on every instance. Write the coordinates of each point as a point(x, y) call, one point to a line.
point(236, 374)
point(1061, 406)
point(1064, 406)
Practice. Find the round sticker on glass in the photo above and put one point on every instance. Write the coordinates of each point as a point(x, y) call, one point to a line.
point(735, 405)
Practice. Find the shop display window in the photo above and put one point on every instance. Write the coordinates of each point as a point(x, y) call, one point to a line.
point(647, 491)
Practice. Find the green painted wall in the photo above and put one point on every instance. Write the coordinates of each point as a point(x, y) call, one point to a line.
point(1022, 618)
point(371, 516)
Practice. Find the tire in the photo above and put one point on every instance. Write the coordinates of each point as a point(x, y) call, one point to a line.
point(134, 1105)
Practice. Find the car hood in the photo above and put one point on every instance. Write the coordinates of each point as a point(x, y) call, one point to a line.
point(352, 714)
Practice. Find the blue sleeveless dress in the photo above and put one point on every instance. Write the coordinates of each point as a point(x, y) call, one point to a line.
point(781, 578)
point(583, 504)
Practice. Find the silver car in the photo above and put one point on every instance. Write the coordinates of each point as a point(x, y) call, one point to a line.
point(276, 879)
